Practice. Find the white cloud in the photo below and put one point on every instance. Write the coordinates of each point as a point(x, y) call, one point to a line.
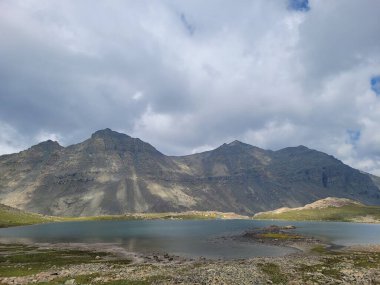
point(44, 136)
point(190, 75)
point(138, 95)
point(10, 140)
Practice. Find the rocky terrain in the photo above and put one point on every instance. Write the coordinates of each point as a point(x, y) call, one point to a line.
point(51, 264)
point(113, 173)
point(280, 236)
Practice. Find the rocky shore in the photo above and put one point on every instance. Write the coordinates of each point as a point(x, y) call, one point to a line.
point(280, 236)
point(72, 264)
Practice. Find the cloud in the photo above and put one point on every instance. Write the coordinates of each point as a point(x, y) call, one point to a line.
point(44, 136)
point(190, 75)
point(10, 139)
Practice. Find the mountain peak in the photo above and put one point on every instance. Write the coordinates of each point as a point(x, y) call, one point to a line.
point(107, 133)
point(301, 147)
point(294, 149)
point(235, 146)
point(108, 139)
point(48, 145)
point(237, 143)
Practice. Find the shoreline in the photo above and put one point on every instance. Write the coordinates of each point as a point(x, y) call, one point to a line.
point(109, 262)
point(178, 217)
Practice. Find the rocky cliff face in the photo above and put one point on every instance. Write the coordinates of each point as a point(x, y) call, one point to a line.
point(112, 173)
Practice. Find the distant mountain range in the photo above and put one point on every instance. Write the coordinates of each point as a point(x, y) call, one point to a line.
point(113, 173)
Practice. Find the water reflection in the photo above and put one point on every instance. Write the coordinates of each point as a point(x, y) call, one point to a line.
point(187, 238)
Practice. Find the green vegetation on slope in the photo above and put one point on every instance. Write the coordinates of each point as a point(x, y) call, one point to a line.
point(348, 213)
point(149, 216)
point(10, 217)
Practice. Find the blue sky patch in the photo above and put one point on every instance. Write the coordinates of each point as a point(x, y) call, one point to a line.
point(189, 27)
point(375, 84)
point(354, 135)
point(299, 5)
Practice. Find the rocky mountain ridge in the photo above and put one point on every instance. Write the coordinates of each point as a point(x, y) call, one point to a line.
point(113, 173)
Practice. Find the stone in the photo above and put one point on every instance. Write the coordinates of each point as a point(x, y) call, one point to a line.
point(70, 282)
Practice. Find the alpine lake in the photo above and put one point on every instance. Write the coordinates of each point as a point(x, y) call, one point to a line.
point(189, 238)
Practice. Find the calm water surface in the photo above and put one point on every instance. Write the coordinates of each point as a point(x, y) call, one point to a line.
point(191, 238)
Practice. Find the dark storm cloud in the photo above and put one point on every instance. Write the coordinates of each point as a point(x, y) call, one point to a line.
point(190, 75)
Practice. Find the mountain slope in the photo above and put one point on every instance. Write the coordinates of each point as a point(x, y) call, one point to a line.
point(112, 173)
point(328, 209)
point(13, 217)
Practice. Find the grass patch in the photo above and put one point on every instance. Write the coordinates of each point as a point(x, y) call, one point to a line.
point(127, 282)
point(368, 260)
point(346, 213)
point(80, 279)
point(274, 273)
point(10, 217)
point(90, 279)
point(282, 236)
point(25, 261)
point(323, 250)
point(327, 267)
point(149, 216)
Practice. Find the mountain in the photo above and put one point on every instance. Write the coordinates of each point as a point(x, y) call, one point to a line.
point(328, 209)
point(113, 173)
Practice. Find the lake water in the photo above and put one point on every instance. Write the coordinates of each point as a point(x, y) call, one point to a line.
point(191, 238)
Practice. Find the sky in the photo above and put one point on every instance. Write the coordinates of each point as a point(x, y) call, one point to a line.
point(190, 75)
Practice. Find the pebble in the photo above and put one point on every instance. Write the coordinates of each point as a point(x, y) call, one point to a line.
point(205, 271)
point(70, 282)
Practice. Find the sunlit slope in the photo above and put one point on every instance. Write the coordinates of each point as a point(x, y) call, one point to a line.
point(329, 209)
point(13, 217)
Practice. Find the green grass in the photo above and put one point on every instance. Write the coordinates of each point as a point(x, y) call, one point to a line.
point(367, 260)
point(282, 236)
point(19, 260)
point(330, 265)
point(347, 213)
point(327, 267)
point(127, 282)
point(148, 216)
point(10, 217)
point(89, 279)
point(274, 273)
